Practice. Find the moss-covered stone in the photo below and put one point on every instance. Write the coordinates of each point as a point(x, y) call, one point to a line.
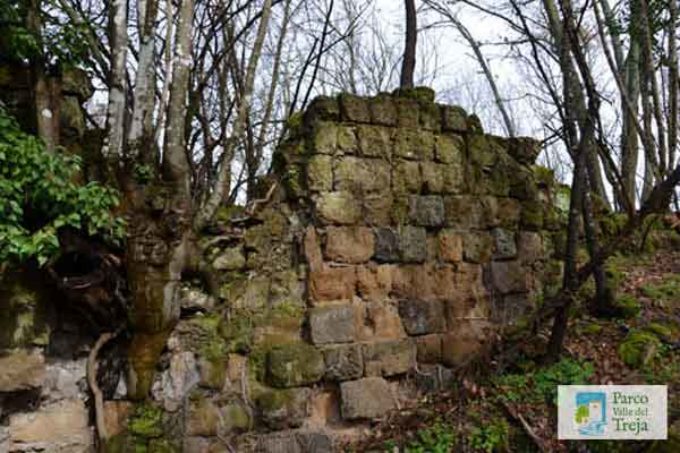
point(236, 417)
point(354, 108)
point(294, 364)
point(22, 311)
point(320, 173)
point(639, 348)
point(146, 421)
point(531, 217)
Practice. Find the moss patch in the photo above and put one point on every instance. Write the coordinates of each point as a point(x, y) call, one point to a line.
point(146, 421)
point(639, 348)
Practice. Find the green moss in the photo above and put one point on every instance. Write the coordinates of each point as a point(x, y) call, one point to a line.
point(294, 364)
point(663, 331)
point(272, 400)
point(591, 329)
point(226, 213)
point(545, 177)
point(163, 446)
point(639, 348)
point(667, 291)
point(420, 94)
point(146, 421)
point(236, 417)
point(531, 216)
point(627, 306)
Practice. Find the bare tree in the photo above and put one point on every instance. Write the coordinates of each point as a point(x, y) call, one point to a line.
point(409, 61)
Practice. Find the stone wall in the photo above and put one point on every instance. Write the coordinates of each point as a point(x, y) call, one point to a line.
point(398, 241)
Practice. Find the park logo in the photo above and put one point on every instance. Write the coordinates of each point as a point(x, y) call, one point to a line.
point(612, 412)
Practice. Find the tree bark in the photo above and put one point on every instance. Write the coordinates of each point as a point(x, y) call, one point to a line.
point(409, 61)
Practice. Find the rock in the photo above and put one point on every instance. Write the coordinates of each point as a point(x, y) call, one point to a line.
point(407, 112)
point(349, 244)
point(524, 150)
point(508, 277)
point(283, 409)
point(366, 398)
point(386, 245)
point(412, 244)
point(505, 246)
point(449, 149)
point(507, 310)
point(177, 380)
point(343, 362)
point(362, 176)
point(212, 373)
point(466, 341)
point(323, 108)
point(194, 299)
point(65, 379)
point(374, 282)
point(381, 321)
point(432, 175)
point(203, 418)
point(420, 317)
point(450, 246)
point(59, 427)
point(332, 283)
point(383, 110)
point(230, 259)
point(377, 208)
point(21, 371)
point(320, 173)
point(530, 247)
point(347, 140)
point(389, 358)
point(375, 141)
point(454, 118)
point(429, 348)
point(508, 212)
point(478, 247)
point(294, 442)
point(340, 208)
point(413, 144)
point(407, 177)
point(116, 415)
point(354, 108)
point(294, 364)
point(71, 118)
point(325, 137)
point(312, 249)
point(235, 417)
point(427, 210)
point(332, 324)
point(463, 212)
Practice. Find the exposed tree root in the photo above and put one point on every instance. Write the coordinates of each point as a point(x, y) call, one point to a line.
point(97, 394)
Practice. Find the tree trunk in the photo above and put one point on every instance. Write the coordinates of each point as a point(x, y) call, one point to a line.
point(409, 61)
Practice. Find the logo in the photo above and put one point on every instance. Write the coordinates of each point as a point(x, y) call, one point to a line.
point(591, 413)
point(612, 412)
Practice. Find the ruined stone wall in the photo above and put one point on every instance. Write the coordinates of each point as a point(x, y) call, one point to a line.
point(398, 241)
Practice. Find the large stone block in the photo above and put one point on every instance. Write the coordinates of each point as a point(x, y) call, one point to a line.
point(414, 144)
point(466, 342)
point(429, 348)
point(426, 210)
point(339, 208)
point(530, 247)
point(505, 246)
point(203, 418)
point(454, 118)
point(507, 310)
point(377, 208)
point(508, 212)
point(463, 212)
point(374, 282)
point(449, 149)
point(349, 244)
point(332, 283)
point(366, 398)
point(230, 259)
point(343, 363)
point(406, 177)
point(379, 321)
point(509, 277)
point(478, 247)
point(348, 142)
point(375, 141)
point(354, 108)
point(323, 108)
point(450, 246)
point(21, 371)
point(386, 245)
point(325, 138)
point(332, 324)
point(412, 244)
point(383, 111)
point(389, 358)
point(407, 112)
point(294, 364)
point(283, 409)
point(320, 173)
point(357, 175)
point(422, 316)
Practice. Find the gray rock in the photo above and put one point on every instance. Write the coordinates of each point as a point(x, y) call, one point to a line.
point(366, 398)
point(283, 409)
point(332, 324)
point(389, 358)
point(230, 259)
point(508, 277)
point(386, 245)
point(420, 317)
point(413, 244)
point(343, 363)
point(294, 364)
point(505, 246)
point(426, 210)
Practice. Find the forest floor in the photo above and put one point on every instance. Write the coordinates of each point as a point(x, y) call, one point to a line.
point(515, 410)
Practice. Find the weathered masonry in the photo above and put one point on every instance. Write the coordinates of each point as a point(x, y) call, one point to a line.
point(399, 237)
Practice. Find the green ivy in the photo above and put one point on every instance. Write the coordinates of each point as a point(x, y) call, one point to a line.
point(39, 195)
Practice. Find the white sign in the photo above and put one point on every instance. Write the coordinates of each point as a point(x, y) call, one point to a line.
point(612, 412)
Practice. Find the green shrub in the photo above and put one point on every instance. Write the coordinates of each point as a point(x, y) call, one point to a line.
point(39, 196)
point(639, 348)
point(436, 439)
point(492, 436)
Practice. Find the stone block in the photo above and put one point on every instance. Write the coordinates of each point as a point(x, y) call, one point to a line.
point(433, 175)
point(366, 398)
point(116, 415)
point(508, 212)
point(332, 324)
point(383, 111)
point(323, 108)
point(339, 208)
point(379, 321)
point(505, 246)
point(21, 371)
point(325, 138)
point(354, 108)
point(422, 316)
point(429, 348)
point(349, 244)
point(377, 208)
point(386, 245)
point(507, 310)
point(347, 140)
point(294, 365)
point(389, 358)
point(450, 246)
point(357, 175)
point(430, 118)
point(531, 216)
point(343, 363)
point(375, 141)
point(509, 277)
point(449, 149)
point(530, 247)
point(235, 418)
point(454, 118)
point(478, 247)
point(320, 173)
point(466, 342)
point(453, 178)
point(406, 177)
point(412, 244)
point(203, 418)
point(414, 144)
point(283, 409)
point(463, 212)
point(374, 282)
point(230, 259)
point(407, 112)
point(426, 210)
point(332, 283)
point(524, 150)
